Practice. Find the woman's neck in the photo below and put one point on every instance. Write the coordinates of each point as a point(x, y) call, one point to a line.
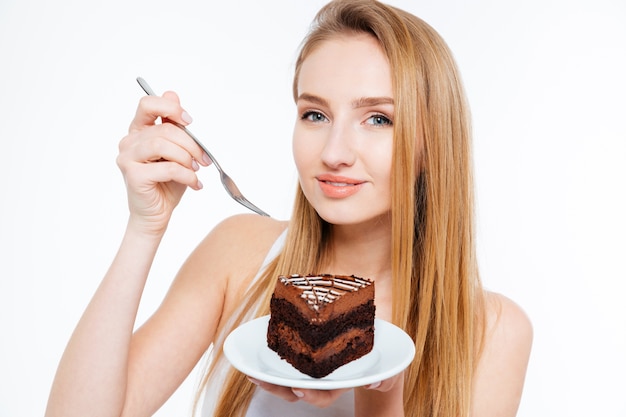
point(362, 250)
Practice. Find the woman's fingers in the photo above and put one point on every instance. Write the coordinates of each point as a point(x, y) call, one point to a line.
point(151, 108)
point(168, 109)
point(156, 160)
point(158, 143)
point(283, 392)
point(318, 398)
point(385, 385)
point(164, 172)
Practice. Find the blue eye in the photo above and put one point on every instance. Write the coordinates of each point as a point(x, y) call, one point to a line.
point(314, 116)
point(379, 120)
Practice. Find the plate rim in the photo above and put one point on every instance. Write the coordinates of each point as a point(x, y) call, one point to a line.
point(398, 364)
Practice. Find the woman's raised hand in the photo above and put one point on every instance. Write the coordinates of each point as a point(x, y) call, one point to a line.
point(158, 161)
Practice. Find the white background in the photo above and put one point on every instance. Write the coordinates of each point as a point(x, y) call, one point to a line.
point(546, 82)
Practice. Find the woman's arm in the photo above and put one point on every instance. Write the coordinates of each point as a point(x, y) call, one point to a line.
point(92, 375)
point(499, 378)
point(158, 162)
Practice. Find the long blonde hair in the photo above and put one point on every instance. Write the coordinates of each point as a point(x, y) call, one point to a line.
point(437, 295)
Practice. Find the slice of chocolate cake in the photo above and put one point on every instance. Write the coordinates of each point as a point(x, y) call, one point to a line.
point(321, 322)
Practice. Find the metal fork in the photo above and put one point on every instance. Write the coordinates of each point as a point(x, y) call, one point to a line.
point(228, 183)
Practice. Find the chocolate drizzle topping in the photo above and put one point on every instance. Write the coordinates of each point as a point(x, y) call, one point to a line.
point(324, 288)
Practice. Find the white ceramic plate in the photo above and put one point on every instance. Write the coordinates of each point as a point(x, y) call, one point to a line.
point(246, 349)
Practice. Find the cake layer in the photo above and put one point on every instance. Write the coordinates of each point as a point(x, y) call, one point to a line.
point(285, 335)
point(316, 334)
point(321, 362)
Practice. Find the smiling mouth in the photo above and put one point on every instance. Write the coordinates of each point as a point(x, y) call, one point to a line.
point(338, 181)
point(339, 184)
point(338, 187)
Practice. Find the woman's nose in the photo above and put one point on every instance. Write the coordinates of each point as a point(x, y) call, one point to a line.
point(339, 147)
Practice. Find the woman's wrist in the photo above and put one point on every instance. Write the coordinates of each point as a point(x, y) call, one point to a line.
point(151, 230)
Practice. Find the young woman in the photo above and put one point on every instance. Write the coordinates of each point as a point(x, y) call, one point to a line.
point(382, 147)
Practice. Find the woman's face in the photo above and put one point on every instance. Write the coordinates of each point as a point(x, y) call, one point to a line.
point(343, 136)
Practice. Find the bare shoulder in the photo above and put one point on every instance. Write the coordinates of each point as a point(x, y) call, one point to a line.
point(506, 319)
point(248, 230)
point(238, 243)
point(501, 370)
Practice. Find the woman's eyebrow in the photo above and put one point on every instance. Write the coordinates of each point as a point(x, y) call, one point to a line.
point(358, 103)
point(312, 99)
point(371, 101)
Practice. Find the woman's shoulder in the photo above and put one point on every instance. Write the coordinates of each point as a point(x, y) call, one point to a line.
point(249, 231)
point(507, 326)
point(501, 369)
point(504, 315)
point(230, 256)
point(238, 244)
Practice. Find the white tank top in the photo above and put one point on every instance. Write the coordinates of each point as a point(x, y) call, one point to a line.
point(264, 404)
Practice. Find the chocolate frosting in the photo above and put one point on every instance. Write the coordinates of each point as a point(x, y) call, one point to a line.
point(322, 289)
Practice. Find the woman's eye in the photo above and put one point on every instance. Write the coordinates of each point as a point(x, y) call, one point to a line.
point(379, 120)
point(314, 116)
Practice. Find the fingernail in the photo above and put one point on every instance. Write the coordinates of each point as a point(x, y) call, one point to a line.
point(186, 117)
point(297, 393)
point(374, 385)
point(206, 159)
point(254, 381)
point(199, 185)
point(194, 165)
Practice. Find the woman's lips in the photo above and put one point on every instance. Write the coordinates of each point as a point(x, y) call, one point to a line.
point(338, 187)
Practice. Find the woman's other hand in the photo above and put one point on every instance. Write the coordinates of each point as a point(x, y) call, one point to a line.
point(318, 398)
point(158, 161)
point(382, 398)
